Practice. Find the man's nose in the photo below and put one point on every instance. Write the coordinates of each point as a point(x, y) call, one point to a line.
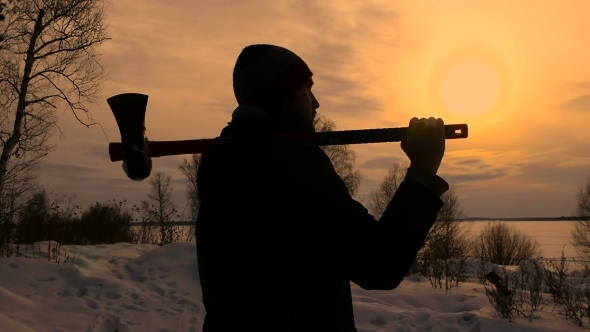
point(315, 103)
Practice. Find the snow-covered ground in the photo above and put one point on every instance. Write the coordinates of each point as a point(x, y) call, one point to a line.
point(124, 287)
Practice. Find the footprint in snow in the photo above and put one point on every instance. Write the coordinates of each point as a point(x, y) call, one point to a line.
point(107, 322)
point(46, 279)
point(91, 303)
point(157, 289)
point(114, 295)
point(469, 322)
point(378, 321)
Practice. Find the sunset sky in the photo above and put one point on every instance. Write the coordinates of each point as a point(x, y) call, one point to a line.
point(517, 72)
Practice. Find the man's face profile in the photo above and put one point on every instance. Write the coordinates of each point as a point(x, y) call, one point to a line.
point(301, 111)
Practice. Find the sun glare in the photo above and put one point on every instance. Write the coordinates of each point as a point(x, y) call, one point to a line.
point(470, 88)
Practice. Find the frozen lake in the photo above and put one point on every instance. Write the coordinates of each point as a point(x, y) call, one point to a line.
point(552, 235)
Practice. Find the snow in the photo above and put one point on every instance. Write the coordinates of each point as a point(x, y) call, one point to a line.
point(125, 287)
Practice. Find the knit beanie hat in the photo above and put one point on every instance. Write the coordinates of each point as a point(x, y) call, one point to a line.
point(266, 75)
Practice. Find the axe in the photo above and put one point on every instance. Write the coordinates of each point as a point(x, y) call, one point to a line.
point(129, 111)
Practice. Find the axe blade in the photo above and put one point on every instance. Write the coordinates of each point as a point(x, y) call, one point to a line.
point(129, 111)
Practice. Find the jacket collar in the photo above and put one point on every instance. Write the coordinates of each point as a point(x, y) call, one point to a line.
point(250, 121)
point(248, 111)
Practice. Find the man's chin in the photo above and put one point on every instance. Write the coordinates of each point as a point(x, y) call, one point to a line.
point(308, 128)
point(300, 126)
point(304, 128)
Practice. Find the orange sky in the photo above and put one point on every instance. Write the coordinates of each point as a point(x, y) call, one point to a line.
point(516, 72)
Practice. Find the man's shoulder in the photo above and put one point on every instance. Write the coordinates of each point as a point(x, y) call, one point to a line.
point(299, 146)
point(296, 156)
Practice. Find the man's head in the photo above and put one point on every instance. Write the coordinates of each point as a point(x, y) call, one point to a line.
point(277, 81)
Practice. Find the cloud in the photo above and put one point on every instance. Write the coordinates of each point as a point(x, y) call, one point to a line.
point(458, 167)
point(69, 170)
point(383, 162)
point(340, 56)
point(167, 164)
point(577, 86)
point(471, 161)
point(218, 105)
point(494, 173)
point(183, 55)
point(553, 173)
point(197, 47)
point(91, 189)
point(534, 170)
point(467, 166)
point(581, 103)
point(90, 149)
point(538, 157)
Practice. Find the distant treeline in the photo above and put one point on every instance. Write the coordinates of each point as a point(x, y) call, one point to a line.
point(570, 218)
point(175, 223)
point(562, 218)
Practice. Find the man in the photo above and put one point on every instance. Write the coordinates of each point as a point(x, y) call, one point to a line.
point(279, 238)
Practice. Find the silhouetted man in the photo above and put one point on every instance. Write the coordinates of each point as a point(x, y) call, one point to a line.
point(279, 238)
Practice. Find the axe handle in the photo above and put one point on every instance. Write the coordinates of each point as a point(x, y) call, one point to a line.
point(361, 136)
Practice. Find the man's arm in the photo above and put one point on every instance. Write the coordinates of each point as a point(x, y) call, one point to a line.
point(374, 255)
point(431, 181)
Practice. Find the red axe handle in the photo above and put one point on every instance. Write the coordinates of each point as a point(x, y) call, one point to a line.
point(361, 136)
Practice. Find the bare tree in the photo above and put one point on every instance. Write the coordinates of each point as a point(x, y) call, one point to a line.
point(19, 184)
point(581, 232)
point(19, 181)
point(342, 157)
point(48, 59)
point(381, 197)
point(160, 208)
point(2, 17)
point(190, 168)
point(447, 237)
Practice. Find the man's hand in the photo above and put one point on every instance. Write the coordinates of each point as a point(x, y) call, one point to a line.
point(425, 143)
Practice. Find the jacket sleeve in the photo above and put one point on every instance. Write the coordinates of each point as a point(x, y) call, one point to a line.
point(373, 254)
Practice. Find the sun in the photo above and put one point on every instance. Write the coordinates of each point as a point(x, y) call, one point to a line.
point(470, 88)
point(471, 82)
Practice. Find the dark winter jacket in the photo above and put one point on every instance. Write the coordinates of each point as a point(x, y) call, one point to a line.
point(279, 238)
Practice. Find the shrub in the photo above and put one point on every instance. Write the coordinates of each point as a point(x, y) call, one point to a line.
point(571, 295)
point(500, 244)
point(106, 223)
point(61, 221)
point(581, 232)
point(517, 293)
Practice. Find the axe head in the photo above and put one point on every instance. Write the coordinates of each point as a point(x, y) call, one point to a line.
point(129, 111)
